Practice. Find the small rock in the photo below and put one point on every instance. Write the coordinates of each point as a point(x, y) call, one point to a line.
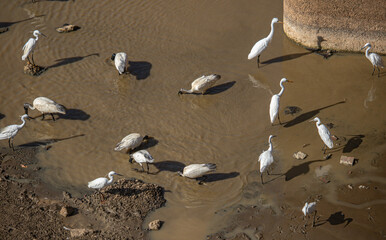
point(155, 225)
point(66, 211)
point(348, 161)
point(67, 28)
point(363, 187)
point(350, 186)
point(300, 155)
point(33, 70)
point(79, 232)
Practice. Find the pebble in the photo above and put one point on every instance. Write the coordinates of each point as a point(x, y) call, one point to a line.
point(348, 161)
point(67, 28)
point(79, 232)
point(155, 225)
point(66, 211)
point(300, 155)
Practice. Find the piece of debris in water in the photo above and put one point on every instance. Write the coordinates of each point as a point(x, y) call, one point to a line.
point(363, 187)
point(306, 145)
point(328, 156)
point(350, 186)
point(292, 110)
point(155, 225)
point(67, 28)
point(33, 70)
point(300, 155)
point(348, 161)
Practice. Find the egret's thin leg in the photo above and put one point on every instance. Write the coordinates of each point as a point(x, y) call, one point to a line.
point(29, 61)
point(324, 148)
point(278, 117)
point(33, 62)
point(378, 70)
point(373, 71)
point(12, 144)
point(9, 142)
point(268, 172)
point(53, 118)
point(258, 61)
point(142, 168)
point(147, 165)
point(261, 176)
point(43, 117)
point(313, 222)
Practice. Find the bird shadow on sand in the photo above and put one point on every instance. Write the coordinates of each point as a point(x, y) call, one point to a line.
point(1, 116)
point(75, 114)
point(141, 70)
point(45, 142)
point(126, 191)
point(169, 166)
point(69, 60)
point(300, 169)
point(284, 58)
point(308, 115)
point(353, 143)
point(8, 24)
point(219, 88)
point(213, 177)
point(335, 219)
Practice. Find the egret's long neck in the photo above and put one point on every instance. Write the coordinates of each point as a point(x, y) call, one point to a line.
point(282, 89)
point(271, 33)
point(37, 36)
point(270, 144)
point(31, 107)
point(21, 125)
point(318, 122)
point(185, 90)
point(367, 52)
point(111, 179)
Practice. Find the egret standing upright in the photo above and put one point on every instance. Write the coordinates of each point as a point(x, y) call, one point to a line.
point(120, 60)
point(262, 44)
point(324, 134)
point(101, 182)
point(275, 102)
point(29, 47)
point(308, 209)
point(9, 132)
point(374, 58)
point(266, 158)
point(142, 156)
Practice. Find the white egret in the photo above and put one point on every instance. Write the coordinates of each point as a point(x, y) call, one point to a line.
point(197, 170)
point(120, 60)
point(275, 102)
point(45, 106)
point(201, 84)
point(101, 182)
point(142, 156)
point(374, 58)
point(266, 158)
point(130, 142)
point(9, 132)
point(324, 134)
point(308, 209)
point(29, 47)
point(262, 44)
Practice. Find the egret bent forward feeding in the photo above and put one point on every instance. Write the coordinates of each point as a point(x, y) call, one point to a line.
point(101, 182)
point(275, 102)
point(374, 58)
point(324, 134)
point(120, 60)
point(201, 84)
point(142, 156)
point(29, 47)
point(266, 159)
point(9, 132)
point(262, 44)
point(130, 142)
point(45, 106)
point(197, 170)
point(308, 209)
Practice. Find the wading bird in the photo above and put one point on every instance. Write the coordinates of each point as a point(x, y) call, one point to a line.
point(142, 156)
point(101, 182)
point(130, 142)
point(120, 60)
point(45, 106)
point(275, 102)
point(201, 84)
point(197, 170)
point(324, 134)
point(29, 47)
point(9, 132)
point(266, 159)
point(308, 209)
point(262, 44)
point(374, 58)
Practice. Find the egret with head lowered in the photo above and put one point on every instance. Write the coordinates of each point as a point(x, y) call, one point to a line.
point(9, 132)
point(45, 106)
point(324, 134)
point(275, 102)
point(142, 156)
point(308, 209)
point(374, 58)
point(262, 44)
point(197, 170)
point(120, 61)
point(29, 47)
point(266, 158)
point(201, 84)
point(131, 142)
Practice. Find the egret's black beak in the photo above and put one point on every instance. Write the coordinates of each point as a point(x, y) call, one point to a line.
point(43, 35)
point(113, 57)
point(118, 174)
point(179, 93)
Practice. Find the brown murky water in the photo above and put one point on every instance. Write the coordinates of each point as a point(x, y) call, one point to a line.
point(169, 44)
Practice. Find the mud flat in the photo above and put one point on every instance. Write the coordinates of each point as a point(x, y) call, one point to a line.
point(337, 25)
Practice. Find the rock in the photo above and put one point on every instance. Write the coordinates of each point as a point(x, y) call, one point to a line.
point(300, 155)
point(67, 28)
point(79, 232)
point(348, 161)
point(33, 70)
point(155, 225)
point(66, 211)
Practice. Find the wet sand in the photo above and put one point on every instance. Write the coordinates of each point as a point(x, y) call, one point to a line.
point(169, 44)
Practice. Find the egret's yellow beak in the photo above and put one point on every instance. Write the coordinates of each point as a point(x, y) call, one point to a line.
point(280, 22)
point(290, 81)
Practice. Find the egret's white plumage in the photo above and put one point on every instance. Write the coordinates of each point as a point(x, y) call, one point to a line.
point(9, 132)
point(324, 133)
point(275, 102)
point(102, 181)
point(308, 209)
point(266, 158)
point(262, 44)
point(130, 142)
point(120, 60)
point(142, 156)
point(45, 106)
point(197, 170)
point(201, 84)
point(29, 47)
point(374, 58)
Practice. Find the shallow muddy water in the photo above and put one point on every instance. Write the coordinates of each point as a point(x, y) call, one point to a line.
point(169, 44)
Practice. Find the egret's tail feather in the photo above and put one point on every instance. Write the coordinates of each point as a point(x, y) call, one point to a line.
point(211, 166)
